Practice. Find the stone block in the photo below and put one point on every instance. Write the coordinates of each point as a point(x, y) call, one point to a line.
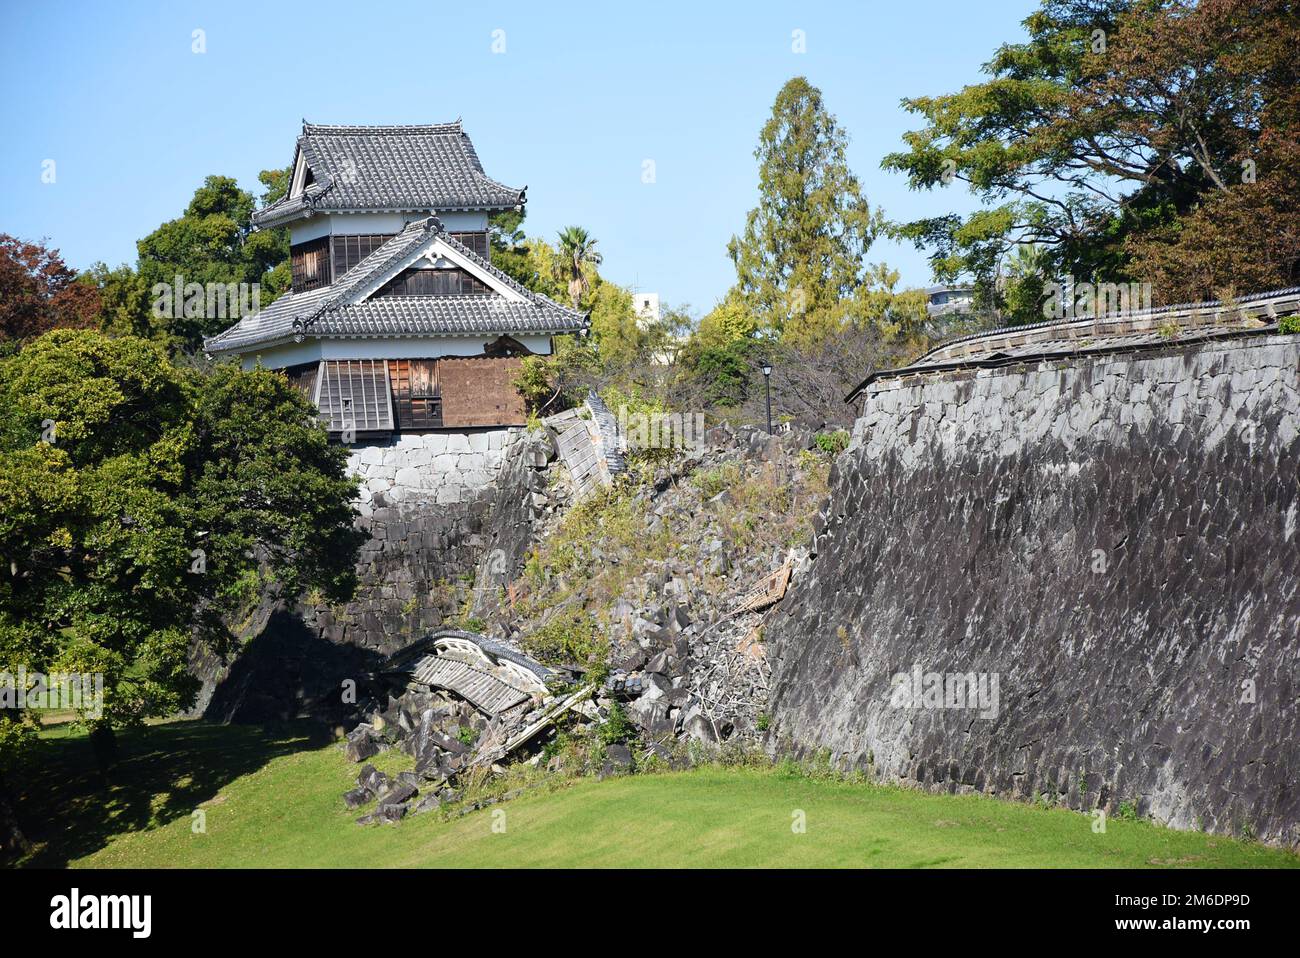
point(408, 476)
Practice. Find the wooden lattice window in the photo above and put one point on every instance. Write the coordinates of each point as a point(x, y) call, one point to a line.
point(417, 393)
point(303, 378)
point(476, 241)
point(433, 282)
point(351, 250)
point(353, 395)
point(310, 264)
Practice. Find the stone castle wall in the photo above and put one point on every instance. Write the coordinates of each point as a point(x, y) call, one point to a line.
point(434, 507)
point(437, 468)
point(425, 501)
point(1114, 539)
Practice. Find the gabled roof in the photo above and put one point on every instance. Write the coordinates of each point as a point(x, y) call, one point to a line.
point(348, 308)
point(387, 168)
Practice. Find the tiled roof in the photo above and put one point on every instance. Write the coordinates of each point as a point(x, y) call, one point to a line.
point(407, 315)
point(1133, 330)
point(403, 168)
point(343, 309)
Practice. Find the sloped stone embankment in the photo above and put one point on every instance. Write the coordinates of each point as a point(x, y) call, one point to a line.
point(1114, 541)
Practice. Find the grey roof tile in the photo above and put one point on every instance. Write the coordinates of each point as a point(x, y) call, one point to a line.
point(343, 310)
point(430, 167)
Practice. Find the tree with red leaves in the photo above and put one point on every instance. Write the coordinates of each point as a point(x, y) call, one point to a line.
point(39, 292)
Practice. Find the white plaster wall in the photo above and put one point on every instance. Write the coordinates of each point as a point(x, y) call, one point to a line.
point(428, 347)
point(437, 468)
point(314, 227)
point(353, 223)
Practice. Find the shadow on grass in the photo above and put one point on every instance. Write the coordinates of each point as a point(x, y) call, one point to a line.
point(286, 671)
point(166, 771)
point(68, 810)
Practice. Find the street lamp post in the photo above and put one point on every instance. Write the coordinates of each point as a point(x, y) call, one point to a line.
point(767, 391)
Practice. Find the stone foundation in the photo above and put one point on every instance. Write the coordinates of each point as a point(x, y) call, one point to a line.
point(1115, 539)
point(437, 468)
point(434, 506)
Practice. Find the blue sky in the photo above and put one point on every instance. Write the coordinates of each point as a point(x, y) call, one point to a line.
point(581, 97)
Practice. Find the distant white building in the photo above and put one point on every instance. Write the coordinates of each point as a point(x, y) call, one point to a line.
point(950, 298)
point(646, 307)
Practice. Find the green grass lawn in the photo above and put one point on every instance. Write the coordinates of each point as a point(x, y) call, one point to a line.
point(272, 797)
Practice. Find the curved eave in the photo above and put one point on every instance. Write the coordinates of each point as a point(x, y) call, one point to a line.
point(240, 350)
point(292, 213)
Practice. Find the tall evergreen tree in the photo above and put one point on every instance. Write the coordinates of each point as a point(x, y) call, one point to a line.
point(800, 260)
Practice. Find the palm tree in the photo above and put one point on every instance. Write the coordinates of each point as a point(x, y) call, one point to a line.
point(1027, 259)
point(577, 247)
point(1021, 283)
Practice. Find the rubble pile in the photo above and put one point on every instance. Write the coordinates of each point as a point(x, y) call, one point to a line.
point(686, 660)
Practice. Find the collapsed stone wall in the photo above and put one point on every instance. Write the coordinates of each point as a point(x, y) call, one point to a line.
point(1113, 540)
point(425, 501)
point(433, 505)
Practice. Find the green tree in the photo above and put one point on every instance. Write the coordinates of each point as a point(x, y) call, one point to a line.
point(801, 254)
point(530, 261)
point(126, 306)
point(1024, 284)
point(731, 320)
point(715, 375)
point(1113, 123)
point(139, 500)
point(214, 242)
point(878, 303)
point(614, 326)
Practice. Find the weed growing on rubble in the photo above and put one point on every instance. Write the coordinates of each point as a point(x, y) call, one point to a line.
point(713, 481)
point(576, 574)
point(616, 728)
point(834, 442)
point(570, 636)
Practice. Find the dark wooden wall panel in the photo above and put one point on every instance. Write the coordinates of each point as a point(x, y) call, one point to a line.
point(479, 391)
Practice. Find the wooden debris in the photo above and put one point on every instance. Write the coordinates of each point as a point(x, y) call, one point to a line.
point(751, 646)
point(769, 591)
point(545, 721)
point(516, 591)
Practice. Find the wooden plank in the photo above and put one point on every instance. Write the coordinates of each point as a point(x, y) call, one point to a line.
point(769, 590)
point(479, 391)
point(542, 723)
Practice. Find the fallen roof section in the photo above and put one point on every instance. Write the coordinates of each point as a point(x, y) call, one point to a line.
point(490, 675)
